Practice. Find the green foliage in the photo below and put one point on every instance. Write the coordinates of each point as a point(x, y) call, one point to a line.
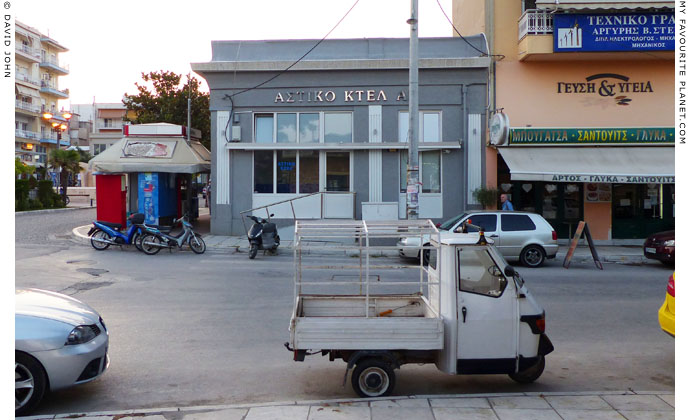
point(487, 197)
point(21, 168)
point(45, 191)
point(21, 190)
point(84, 156)
point(35, 204)
point(168, 102)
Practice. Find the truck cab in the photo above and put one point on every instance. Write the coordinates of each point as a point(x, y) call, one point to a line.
point(472, 313)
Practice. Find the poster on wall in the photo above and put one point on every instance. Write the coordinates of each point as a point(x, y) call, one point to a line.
point(619, 32)
point(148, 197)
point(598, 193)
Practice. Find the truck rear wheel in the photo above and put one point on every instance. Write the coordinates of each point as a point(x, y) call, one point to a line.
point(373, 378)
point(530, 374)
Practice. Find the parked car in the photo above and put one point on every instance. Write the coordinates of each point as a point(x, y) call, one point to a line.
point(661, 246)
point(58, 342)
point(523, 236)
point(667, 312)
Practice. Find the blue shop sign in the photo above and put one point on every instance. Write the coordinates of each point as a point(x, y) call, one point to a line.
point(624, 32)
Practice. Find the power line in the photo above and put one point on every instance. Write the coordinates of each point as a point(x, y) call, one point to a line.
point(464, 39)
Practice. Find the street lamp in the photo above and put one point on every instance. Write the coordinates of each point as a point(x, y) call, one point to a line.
point(59, 124)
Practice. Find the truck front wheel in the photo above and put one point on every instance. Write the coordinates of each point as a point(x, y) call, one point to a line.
point(373, 378)
point(530, 374)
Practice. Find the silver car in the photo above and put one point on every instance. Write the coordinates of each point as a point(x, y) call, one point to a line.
point(58, 342)
point(517, 235)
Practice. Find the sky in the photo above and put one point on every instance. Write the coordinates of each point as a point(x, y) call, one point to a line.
point(111, 43)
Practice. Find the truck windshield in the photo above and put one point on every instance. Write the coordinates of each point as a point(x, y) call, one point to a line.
point(448, 224)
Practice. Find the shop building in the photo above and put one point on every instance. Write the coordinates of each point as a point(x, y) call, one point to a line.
point(336, 123)
point(581, 100)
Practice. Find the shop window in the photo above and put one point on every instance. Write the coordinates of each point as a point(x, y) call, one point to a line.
point(286, 171)
point(263, 126)
point(263, 172)
point(308, 128)
point(429, 171)
point(337, 127)
point(308, 171)
point(337, 171)
point(473, 275)
point(550, 201)
point(516, 222)
point(527, 201)
point(286, 131)
point(429, 126)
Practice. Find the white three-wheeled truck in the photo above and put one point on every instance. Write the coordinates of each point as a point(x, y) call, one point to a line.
point(469, 312)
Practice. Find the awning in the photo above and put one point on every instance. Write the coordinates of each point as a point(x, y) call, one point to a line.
point(625, 165)
point(604, 4)
point(26, 91)
point(153, 154)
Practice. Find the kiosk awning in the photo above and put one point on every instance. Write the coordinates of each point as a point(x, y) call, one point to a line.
point(604, 4)
point(153, 154)
point(625, 165)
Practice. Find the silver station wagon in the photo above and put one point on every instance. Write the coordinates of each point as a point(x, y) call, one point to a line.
point(518, 235)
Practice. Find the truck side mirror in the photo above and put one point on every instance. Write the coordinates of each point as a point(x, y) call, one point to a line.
point(509, 271)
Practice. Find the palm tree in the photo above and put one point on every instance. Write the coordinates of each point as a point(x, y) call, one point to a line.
point(68, 161)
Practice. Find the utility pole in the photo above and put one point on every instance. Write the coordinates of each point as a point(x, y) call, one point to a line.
point(413, 129)
point(189, 108)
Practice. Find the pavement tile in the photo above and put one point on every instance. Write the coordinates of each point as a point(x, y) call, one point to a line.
point(637, 402)
point(520, 403)
point(354, 404)
point(575, 402)
point(151, 417)
point(412, 403)
point(609, 414)
point(340, 413)
point(289, 412)
point(526, 414)
point(670, 399)
point(460, 402)
point(397, 413)
point(38, 417)
point(229, 414)
point(455, 413)
point(649, 415)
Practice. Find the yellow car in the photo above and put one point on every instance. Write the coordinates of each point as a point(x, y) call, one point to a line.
point(667, 312)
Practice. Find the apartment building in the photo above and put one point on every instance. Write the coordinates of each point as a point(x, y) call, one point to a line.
point(100, 124)
point(40, 121)
point(581, 110)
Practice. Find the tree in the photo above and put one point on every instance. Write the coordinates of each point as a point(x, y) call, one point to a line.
point(21, 168)
point(68, 161)
point(168, 102)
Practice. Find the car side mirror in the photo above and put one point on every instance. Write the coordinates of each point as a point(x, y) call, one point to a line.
point(271, 215)
point(509, 271)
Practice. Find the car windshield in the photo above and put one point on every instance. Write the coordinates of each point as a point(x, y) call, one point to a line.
point(448, 224)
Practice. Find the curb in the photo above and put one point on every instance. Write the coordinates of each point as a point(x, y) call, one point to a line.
point(27, 212)
point(332, 402)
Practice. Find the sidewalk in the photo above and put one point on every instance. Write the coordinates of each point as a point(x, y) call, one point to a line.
point(514, 406)
point(239, 244)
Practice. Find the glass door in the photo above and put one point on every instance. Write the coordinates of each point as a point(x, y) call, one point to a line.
point(338, 206)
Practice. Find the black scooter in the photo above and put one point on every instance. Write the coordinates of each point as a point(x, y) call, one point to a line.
point(262, 235)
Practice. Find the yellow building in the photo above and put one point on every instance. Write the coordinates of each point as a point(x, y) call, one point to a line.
point(37, 93)
point(581, 103)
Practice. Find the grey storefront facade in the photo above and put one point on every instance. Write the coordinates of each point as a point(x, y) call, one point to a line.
point(337, 123)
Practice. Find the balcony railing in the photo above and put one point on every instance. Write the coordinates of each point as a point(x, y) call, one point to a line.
point(27, 106)
point(535, 22)
point(53, 63)
point(24, 134)
point(111, 126)
point(48, 88)
point(26, 78)
point(31, 52)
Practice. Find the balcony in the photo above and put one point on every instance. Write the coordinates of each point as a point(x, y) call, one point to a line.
point(110, 126)
point(49, 89)
point(28, 135)
point(21, 77)
point(52, 63)
point(28, 107)
point(29, 53)
point(535, 33)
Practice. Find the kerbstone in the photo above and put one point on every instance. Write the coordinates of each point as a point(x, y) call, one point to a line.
point(230, 414)
point(460, 402)
point(582, 402)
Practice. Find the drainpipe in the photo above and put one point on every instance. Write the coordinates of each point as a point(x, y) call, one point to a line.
point(466, 132)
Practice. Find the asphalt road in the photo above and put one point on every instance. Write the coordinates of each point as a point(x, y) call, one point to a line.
point(190, 330)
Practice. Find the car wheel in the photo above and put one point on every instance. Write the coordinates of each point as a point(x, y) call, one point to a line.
point(530, 374)
point(373, 378)
point(29, 383)
point(532, 256)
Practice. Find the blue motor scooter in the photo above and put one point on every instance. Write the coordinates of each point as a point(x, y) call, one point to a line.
point(103, 234)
